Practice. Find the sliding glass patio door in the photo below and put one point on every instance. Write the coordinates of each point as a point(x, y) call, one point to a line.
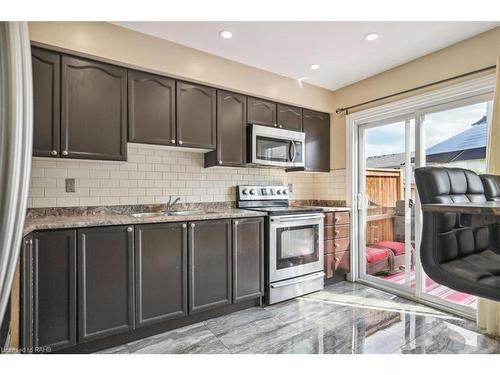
point(451, 134)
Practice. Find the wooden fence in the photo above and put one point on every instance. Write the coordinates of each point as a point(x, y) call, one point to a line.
point(384, 188)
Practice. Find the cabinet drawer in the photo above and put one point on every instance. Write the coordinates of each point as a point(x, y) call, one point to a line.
point(337, 231)
point(337, 218)
point(337, 245)
point(337, 264)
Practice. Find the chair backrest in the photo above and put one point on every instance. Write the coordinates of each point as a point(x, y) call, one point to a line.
point(447, 185)
point(444, 238)
point(491, 185)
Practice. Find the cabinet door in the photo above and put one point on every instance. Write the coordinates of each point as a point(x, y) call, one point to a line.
point(46, 68)
point(209, 264)
point(151, 109)
point(161, 272)
point(105, 281)
point(261, 112)
point(290, 117)
point(26, 295)
point(196, 120)
point(248, 258)
point(231, 131)
point(93, 110)
point(54, 289)
point(317, 129)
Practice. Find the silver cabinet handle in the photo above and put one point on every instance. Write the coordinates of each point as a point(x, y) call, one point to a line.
point(192, 225)
point(172, 141)
point(275, 125)
point(280, 126)
point(54, 152)
point(180, 142)
point(220, 162)
point(130, 229)
point(184, 225)
point(236, 222)
point(65, 153)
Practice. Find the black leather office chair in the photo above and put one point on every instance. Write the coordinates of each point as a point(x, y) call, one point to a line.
point(460, 257)
point(491, 185)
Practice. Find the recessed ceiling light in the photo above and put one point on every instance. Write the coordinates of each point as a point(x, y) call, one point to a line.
point(314, 66)
point(371, 36)
point(226, 34)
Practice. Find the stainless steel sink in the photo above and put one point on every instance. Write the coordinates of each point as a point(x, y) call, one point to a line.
point(149, 214)
point(172, 213)
point(186, 212)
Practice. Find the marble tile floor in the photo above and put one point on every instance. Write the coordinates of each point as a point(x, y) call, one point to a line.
point(343, 318)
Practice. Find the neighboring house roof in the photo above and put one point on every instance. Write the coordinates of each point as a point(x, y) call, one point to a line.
point(474, 137)
point(467, 145)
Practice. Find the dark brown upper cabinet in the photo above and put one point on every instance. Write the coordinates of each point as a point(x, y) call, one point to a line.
point(231, 131)
point(317, 129)
point(46, 66)
point(196, 116)
point(290, 117)
point(210, 265)
point(93, 110)
point(160, 272)
point(261, 112)
point(105, 281)
point(248, 258)
point(151, 109)
point(54, 289)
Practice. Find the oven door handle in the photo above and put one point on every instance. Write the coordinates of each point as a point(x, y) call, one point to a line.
point(283, 219)
point(298, 280)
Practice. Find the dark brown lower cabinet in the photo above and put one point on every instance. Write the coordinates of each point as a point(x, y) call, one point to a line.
point(26, 295)
point(87, 284)
point(54, 290)
point(105, 281)
point(248, 258)
point(161, 272)
point(210, 264)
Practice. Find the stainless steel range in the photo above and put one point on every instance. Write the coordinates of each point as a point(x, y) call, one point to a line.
point(294, 242)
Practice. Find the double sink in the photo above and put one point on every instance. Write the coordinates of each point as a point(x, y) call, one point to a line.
point(171, 213)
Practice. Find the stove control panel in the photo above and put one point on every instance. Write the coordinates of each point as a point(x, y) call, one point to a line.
point(262, 192)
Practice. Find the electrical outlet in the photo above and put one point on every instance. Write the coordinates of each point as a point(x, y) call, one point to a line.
point(290, 188)
point(70, 185)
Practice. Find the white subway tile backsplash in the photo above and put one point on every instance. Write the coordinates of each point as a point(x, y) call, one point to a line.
point(152, 173)
point(68, 202)
point(99, 173)
point(43, 202)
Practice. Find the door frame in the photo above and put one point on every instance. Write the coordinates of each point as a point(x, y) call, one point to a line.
point(417, 104)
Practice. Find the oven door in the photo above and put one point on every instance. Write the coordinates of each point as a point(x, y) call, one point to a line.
point(277, 147)
point(295, 245)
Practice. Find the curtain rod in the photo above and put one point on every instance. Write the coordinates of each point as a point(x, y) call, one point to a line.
point(346, 109)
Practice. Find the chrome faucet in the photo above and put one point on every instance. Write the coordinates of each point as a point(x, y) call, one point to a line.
point(170, 203)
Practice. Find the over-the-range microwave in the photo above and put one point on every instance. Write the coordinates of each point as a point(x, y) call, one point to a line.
point(275, 147)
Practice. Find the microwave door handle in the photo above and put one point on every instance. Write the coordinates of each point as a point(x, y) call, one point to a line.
point(294, 151)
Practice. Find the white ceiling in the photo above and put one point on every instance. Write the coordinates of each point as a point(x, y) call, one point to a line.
point(288, 48)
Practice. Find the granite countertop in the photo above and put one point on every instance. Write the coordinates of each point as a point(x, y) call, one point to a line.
point(325, 205)
point(75, 217)
point(60, 219)
point(334, 209)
